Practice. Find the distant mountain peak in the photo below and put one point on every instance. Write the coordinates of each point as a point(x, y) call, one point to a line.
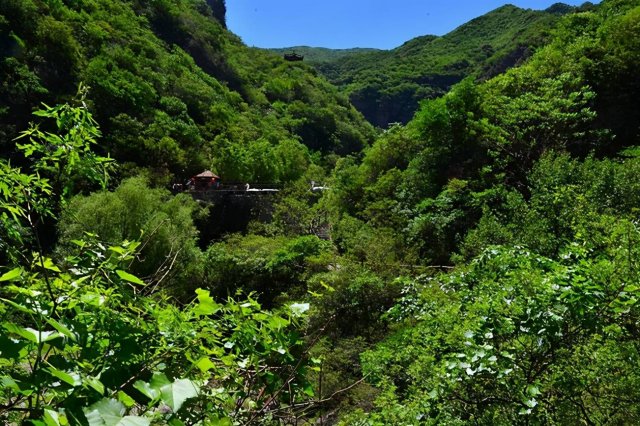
point(387, 86)
point(560, 9)
point(507, 6)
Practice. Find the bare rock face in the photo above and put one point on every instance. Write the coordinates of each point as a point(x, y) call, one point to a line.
point(219, 9)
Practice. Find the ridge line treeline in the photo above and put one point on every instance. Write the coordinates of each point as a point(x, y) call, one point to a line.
point(387, 86)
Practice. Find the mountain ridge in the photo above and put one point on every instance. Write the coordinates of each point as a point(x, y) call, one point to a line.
point(388, 85)
point(321, 54)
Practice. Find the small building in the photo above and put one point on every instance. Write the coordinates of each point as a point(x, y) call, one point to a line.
point(293, 57)
point(204, 181)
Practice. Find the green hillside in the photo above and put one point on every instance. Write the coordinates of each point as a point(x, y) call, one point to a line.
point(387, 86)
point(510, 207)
point(174, 91)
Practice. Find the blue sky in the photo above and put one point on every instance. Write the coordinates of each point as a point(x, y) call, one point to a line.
point(384, 24)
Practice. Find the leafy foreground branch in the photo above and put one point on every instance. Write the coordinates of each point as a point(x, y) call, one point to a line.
point(96, 351)
point(81, 343)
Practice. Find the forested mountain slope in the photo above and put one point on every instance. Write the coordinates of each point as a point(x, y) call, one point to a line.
point(522, 189)
point(575, 95)
point(387, 86)
point(173, 90)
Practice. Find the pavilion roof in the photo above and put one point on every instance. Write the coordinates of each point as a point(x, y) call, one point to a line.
point(207, 174)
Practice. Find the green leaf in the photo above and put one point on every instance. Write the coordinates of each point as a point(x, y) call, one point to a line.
point(19, 307)
point(12, 275)
point(158, 380)
point(47, 263)
point(225, 421)
point(118, 249)
point(8, 383)
point(53, 418)
point(152, 390)
point(176, 393)
point(109, 412)
point(95, 384)
point(146, 389)
point(126, 399)
point(533, 390)
point(30, 334)
point(205, 365)
point(106, 412)
point(206, 305)
point(308, 389)
point(61, 328)
point(133, 421)
point(64, 376)
point(93, 299)
point(129, 277)
point(299, 308)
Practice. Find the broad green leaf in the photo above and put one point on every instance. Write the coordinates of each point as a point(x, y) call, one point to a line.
point(47, 263)
point(64, 376)
point(95, 384)
point(225, 421)
point(158, 380)
point(308, 389)
point(118, 249)
point(146, 389)
point(205, 365)
point(152, 390)
point(62, 329)
point(176, 393)
point(126, 399)
point(19, 307)
point(206, 305)
point(278, 322)
point(133, 421)
point(30, 334)
point(106, 412)
point(93, 299)
point(299, 308)
point(129, 277)
point(8, 383)
point(53, 418)
point(533, 390)
point(12, 275)
point(109, 412)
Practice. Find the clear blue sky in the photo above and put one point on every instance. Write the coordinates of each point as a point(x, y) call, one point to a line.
point(384, 24)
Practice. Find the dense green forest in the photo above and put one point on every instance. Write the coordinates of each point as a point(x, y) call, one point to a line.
point(388, 85)
point(173, 91)
point(479, 264)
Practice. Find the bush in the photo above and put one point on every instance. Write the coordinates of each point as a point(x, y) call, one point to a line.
point(134, 211)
